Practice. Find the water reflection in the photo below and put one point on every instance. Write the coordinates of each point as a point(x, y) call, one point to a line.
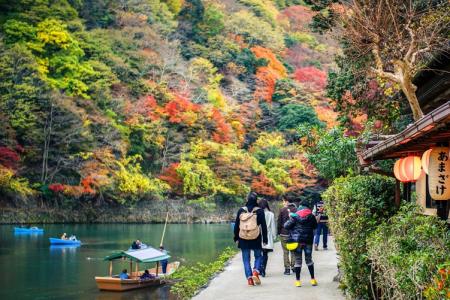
point(67, 272)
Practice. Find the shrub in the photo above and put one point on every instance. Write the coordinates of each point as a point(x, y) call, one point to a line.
point(405, 253)
point(195, 277)
point(356, 206)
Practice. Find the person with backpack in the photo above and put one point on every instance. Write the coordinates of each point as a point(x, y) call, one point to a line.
point(250, 233)
point(271, 234)
point(322, 225)
point(283, 216)
point(301, 227)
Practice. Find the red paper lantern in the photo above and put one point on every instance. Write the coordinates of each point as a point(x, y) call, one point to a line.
point(426, 160)
point(411, 168)
point(397, 172)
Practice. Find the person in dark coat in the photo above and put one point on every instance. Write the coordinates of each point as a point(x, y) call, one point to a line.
point(283, 216)
point(247, 246)
point(322, 226)
point(301, 227)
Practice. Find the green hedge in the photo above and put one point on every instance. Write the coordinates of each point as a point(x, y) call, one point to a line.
point(356, 206)
point(405, 252)
point(192, 279)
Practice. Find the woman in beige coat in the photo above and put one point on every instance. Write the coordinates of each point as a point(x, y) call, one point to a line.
point(271, 234)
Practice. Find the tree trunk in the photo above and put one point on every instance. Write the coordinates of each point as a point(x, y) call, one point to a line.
point(409, 89)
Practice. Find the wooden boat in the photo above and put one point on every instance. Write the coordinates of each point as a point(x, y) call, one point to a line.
point(28, 230)
point(56, 241)
point(141, 256)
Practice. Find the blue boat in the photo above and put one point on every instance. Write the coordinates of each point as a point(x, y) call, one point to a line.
point(28, 230)
point(55, 241)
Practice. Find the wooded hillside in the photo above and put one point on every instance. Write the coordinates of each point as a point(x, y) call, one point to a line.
point(122, 101)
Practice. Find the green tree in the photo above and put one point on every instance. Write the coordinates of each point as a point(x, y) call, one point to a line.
point(334, 154)
point(292, 115)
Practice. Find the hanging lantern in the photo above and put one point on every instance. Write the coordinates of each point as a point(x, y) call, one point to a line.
point(397, 172)
point(439, 173)
point(426, 160)
point(411, 168)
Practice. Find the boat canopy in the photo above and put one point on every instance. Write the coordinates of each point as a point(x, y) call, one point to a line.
point(146, 255)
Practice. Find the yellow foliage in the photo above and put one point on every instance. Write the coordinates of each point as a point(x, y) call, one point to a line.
point(131, 181)
point(9, 182)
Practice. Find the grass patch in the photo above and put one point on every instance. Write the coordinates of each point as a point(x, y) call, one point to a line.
point(195, 277)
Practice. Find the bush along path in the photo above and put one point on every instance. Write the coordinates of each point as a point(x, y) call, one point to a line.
point(231, 284)
point(192, 279)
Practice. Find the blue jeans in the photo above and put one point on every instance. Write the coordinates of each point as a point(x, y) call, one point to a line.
point(321, 227)
point(246, 261)
point(164, 266)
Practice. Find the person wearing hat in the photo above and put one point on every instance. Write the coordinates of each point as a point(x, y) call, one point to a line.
point(301, 227)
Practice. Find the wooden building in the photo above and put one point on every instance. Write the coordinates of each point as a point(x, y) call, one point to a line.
point(430, 131)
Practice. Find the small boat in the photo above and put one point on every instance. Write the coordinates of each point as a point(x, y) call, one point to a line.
point(55, 241)
point(28, 230)
point(141, 256)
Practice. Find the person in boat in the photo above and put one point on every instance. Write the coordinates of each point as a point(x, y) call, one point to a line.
point(73, 238)
point(165, 261)
point(146, 275)
point(64, 236)
point(139, 244)
point(124, 274)
point(136, 245)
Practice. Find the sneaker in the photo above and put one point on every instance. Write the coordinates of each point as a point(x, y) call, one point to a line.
point(250, 281)
point(298, 283)
point(255, 278)
point(313, 282)
point(263, 273)
point(325, 248)
point(287, 272)
point(316, 247)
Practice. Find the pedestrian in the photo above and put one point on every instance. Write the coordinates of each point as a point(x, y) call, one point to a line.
point(301, 227)
point(283, 216)
point(250, 233)
point(322, 225)
point(271, 233)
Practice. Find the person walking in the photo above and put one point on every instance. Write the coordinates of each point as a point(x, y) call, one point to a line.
point(301, 227)
point(322, 225)
point(250, 233)
point(283, 216)
point(271, 233)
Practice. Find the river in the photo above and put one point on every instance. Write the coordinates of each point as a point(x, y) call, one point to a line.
point(31, 269)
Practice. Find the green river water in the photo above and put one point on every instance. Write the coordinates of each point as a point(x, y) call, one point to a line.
point(31, 269)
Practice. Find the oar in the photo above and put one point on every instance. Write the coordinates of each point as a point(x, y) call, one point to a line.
point(164, 230)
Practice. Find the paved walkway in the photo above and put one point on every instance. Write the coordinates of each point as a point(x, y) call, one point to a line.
point(231, 284)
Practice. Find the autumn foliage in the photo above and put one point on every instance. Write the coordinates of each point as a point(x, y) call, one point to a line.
point(223, 131)
point(8, 157)
point(299, 17)
point(181, 110)
point(266, 77)
point(171, 176)
point(262, 185)
point(312, 78)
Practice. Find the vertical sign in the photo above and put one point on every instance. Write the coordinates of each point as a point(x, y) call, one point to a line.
point(439, 173)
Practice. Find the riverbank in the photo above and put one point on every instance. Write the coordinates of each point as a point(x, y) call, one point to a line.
point(231, 283)
point(148, 212)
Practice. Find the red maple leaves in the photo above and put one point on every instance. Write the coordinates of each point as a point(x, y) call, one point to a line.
point(312, 78)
